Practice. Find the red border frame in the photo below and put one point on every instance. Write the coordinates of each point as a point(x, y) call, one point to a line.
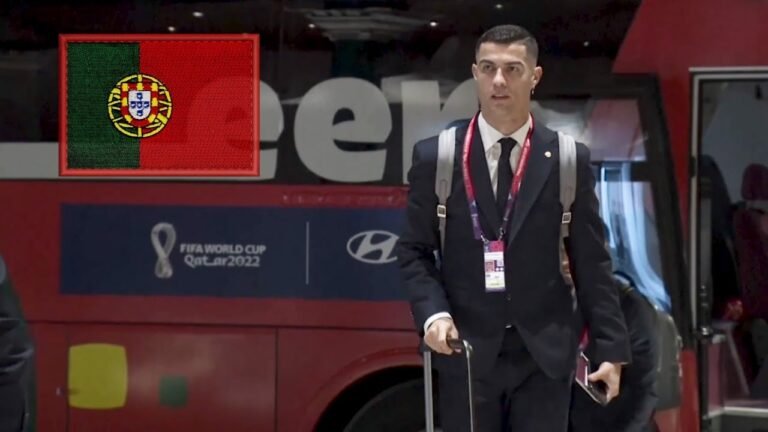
point(63, 126)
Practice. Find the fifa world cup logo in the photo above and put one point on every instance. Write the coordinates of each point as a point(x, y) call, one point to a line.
point(163, 248)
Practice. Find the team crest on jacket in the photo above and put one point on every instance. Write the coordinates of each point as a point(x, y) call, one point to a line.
point(139, 106)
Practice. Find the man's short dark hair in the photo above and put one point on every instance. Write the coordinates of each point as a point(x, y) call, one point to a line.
point(508, 34)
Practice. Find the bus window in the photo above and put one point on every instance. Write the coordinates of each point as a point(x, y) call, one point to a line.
point(613, 130)
point(632, 233)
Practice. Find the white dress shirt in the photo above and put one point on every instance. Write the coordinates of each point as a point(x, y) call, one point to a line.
point(490, 138)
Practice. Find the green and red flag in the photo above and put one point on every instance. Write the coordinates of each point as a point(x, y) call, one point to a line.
point(178, 105)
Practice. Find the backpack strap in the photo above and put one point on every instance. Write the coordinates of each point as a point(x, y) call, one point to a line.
point(567, 196)
point(446, 148)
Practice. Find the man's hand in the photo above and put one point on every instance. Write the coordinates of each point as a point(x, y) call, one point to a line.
point(438, 333)
point(610, 375)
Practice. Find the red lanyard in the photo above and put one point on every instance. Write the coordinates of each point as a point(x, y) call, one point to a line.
point(522, 164)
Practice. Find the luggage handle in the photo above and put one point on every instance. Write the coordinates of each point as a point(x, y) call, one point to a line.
point(460, 345)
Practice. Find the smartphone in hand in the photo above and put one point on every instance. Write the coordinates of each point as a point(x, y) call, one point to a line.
point(595, 390)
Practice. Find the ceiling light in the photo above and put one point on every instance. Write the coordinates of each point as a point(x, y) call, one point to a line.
point(433, 24)
point(197, 14)
point(171, 29)
point(499, 6)
point(311, 25)
point(586, 43)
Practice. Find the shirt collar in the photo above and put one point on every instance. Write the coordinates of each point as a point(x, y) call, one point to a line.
point(490, 135)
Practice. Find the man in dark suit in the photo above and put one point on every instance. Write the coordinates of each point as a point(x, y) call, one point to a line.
point(522, 318)
point(16, 351)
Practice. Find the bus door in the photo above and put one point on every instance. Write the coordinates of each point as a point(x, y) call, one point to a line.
point(729, 245)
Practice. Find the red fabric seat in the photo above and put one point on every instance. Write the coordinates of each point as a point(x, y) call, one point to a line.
point(751, 241)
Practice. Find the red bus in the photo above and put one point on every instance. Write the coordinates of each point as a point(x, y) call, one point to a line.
point(275, 305)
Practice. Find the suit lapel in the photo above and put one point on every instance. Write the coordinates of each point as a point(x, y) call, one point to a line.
point(536, 174)
point(481, 180)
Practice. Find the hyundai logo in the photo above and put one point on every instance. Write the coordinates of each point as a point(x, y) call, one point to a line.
point(373, 247)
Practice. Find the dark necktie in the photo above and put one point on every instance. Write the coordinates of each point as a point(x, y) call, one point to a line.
point(505, 174)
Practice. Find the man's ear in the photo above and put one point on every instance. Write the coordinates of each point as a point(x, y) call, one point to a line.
point(537, 74)
point(475, 71)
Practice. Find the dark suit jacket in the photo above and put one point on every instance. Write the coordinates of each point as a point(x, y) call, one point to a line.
point(537, 300)
point(633, 410)
point(16, 355)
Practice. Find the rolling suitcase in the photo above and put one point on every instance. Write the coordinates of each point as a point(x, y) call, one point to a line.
point(456, 344)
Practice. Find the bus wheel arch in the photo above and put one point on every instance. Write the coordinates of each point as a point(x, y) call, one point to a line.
point(392, 396)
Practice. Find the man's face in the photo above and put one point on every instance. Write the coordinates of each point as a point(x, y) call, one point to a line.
point(505, 76)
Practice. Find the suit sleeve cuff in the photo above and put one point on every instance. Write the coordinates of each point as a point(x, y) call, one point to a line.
point(613, 353)
point(435, 317)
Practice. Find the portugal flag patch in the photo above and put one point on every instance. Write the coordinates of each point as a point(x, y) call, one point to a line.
point(146, 105)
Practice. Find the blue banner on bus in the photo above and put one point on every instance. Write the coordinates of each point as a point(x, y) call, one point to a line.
point(230, 252)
